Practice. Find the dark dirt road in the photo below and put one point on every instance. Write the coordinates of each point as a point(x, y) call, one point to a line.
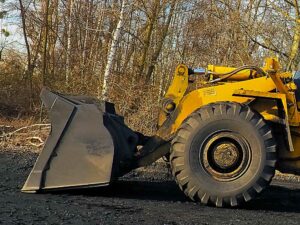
point(137, 199)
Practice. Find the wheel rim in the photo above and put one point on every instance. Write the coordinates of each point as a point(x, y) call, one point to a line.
point(225, 155)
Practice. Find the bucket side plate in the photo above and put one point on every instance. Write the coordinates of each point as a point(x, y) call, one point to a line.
point(79, 151)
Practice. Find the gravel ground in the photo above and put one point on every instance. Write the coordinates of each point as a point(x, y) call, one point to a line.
point(146, 196)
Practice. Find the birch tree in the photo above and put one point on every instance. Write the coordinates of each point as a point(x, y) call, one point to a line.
point(112, 53)
point(45, 40)
point(69, 30)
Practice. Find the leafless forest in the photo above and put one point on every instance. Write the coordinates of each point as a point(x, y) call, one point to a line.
point(125, 51)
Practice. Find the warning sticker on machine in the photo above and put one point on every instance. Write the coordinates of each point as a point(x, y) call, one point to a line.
point(209, 91)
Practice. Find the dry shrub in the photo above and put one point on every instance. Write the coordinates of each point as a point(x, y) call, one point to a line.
point(23, 132)
point(20, 106)
point(76, 85)
point(17, 98)
point(138, 103)
point(11, 85)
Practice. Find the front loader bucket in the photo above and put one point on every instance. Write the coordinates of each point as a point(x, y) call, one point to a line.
point(80, 149)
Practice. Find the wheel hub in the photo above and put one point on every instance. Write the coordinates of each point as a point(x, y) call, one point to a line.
point(225, 155)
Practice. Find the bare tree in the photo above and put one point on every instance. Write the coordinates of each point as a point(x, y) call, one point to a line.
point(112, 52)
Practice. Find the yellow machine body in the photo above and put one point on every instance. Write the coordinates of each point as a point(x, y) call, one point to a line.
point(268, 95)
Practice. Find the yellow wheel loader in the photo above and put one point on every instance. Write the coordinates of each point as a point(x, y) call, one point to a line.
point(224, 140)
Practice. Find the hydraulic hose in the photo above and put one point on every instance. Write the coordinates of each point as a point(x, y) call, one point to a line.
point(229, 74)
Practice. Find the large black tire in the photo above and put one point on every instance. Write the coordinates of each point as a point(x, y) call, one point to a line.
point(223, 154)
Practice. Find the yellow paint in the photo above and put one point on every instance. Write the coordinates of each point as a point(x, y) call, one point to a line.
point(176, 91)
point(243, 75)
point(243, 87)
point(224, 92)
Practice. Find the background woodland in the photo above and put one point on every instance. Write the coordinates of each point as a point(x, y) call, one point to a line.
point(125, 51)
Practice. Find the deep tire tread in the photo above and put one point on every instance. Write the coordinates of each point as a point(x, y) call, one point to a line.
point(186, 182)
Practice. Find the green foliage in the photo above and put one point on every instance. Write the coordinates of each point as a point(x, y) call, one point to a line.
point(3, 14)
point(5, 32)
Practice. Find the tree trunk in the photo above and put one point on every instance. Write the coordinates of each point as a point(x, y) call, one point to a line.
point(45, 44)
point(68, 54)
point(112, 53)
point(147, 41)
point(161, 42)
point(294, 54)
point(294, 48)
point(30, 66)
